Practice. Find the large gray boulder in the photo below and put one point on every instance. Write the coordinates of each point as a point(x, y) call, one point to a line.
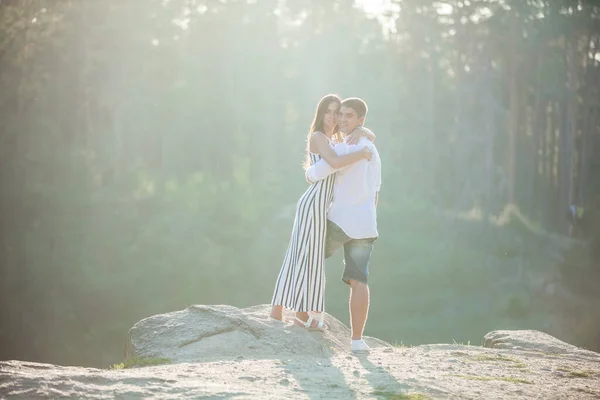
point(222, 332)
point(534, 341)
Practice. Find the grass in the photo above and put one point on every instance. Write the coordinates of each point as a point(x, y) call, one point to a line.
point(500, 358)
point(485, 357)
point(518, 365)
point(548, 355)
point(571, 373)
point(494, 378)
point(399, 396)
point(141, 362)
point(580, 374)
point(462, 343)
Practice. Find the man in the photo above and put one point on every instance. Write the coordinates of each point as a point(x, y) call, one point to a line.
point(352, 217)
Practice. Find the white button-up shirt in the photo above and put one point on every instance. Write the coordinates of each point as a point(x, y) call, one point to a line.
point(356, 185)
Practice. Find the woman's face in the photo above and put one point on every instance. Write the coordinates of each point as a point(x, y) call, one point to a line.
point(331, 117)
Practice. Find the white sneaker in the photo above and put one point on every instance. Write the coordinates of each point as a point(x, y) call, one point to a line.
point(360, 346)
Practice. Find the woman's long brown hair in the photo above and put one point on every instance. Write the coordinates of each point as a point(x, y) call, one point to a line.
point(317, 124)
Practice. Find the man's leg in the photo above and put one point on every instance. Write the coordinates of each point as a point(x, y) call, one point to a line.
point(359, 308)
point(357, 254)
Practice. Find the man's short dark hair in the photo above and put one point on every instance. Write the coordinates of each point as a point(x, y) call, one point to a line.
point(357, 105)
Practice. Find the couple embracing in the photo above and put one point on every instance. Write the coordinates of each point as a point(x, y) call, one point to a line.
point(337, 210)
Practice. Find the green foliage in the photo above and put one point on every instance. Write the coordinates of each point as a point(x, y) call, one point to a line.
point(517, 307)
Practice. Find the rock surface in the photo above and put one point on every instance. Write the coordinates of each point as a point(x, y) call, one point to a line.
point(524, 340)
point(225, 352)
point(221, 332)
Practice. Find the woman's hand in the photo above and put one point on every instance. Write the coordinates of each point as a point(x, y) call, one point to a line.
point(358, 133)
point(366, 132)
point(321, 145)
point(354, 136)
point(367, 153)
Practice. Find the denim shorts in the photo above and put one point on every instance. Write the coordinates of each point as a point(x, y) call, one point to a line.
point(357, 253)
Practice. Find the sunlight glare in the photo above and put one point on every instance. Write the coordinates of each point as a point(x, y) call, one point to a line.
point(385, 11)
point(373, 7)
point(443, 8)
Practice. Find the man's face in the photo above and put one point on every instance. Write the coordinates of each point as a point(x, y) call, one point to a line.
point(349, 120)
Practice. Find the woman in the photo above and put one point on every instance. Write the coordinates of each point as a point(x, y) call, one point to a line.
point(301, 281)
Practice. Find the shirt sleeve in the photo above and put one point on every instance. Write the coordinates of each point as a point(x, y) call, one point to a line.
point(321, 169)
point(378, 172)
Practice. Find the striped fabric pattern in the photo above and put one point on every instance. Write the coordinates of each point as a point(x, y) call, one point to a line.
point(301, 282)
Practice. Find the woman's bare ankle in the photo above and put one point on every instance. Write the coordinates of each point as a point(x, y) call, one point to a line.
point(277, 313)
point(302, 315)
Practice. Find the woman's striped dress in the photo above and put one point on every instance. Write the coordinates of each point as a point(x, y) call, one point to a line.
point(301, 282)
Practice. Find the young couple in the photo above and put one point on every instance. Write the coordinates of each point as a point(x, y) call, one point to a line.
point(337, 210)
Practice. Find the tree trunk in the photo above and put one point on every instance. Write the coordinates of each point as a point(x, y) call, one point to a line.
point(513, 116)
point(538, 132)
point(430, 157)
point(489, 133)
point(567, 135)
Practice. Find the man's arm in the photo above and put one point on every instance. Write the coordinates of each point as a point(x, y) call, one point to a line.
point(377, 176)
point(321, 170)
